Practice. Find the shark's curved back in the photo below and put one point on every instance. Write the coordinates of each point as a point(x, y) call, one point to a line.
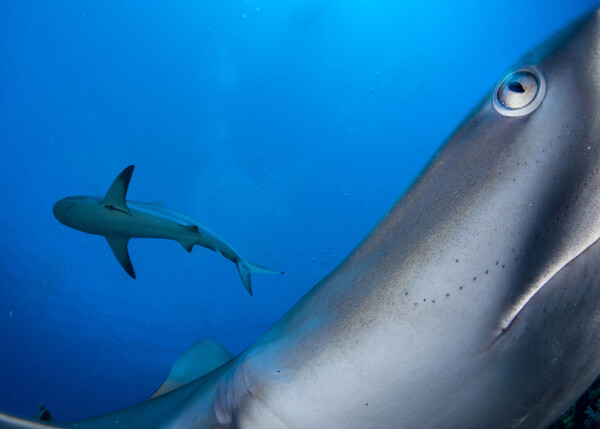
point(437, 318)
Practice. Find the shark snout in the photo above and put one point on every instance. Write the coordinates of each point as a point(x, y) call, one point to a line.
point(61, 209)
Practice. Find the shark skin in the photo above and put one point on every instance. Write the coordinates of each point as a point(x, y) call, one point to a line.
point(475, 303)
point(120, 220)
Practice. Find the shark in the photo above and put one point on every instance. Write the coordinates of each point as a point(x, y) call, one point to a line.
point(119, 220)
point(474, 303)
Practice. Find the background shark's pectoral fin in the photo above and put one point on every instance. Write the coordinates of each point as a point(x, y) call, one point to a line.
point(200, 359)
point(115, 197)
point(119, 248)
point(188, 240)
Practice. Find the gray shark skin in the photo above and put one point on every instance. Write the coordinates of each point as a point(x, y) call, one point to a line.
point(119, 220)
point(475, 303)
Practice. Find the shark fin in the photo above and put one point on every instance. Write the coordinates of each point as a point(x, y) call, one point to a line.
point(8, 421)
point(200, 359)
point(188, 241)
point(115, 197)
point(119, 248)
point(245, 268)
point(43, 415)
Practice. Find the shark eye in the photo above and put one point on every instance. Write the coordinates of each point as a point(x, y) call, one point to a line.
point(519, 93)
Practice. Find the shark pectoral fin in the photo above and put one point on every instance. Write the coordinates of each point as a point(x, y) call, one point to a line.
point(119, 248)
point(200, 359)
point(115, 197)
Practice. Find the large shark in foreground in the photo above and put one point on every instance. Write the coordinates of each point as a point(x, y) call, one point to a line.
point(475, 303)
point(120, 220)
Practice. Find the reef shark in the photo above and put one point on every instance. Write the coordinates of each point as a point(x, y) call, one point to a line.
point(474, 303)
point(119, 220)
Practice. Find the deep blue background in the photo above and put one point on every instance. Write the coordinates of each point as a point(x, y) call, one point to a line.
point(287, 127)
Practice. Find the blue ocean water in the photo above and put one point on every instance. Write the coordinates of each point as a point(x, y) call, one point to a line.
point(288, 128)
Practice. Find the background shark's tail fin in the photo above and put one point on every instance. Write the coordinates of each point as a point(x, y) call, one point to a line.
point(245, 268)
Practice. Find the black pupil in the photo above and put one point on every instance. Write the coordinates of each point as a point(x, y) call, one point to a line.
point(516, 87)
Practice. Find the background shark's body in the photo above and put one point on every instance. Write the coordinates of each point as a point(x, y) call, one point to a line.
point(119, 220)
point(474, 303)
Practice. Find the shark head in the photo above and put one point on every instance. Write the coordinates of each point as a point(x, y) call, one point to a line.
point(93, 214)
point(61, 209)
point(76, 212)
point(475, 301)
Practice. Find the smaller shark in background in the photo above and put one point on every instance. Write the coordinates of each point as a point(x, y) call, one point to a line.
point(118, 220)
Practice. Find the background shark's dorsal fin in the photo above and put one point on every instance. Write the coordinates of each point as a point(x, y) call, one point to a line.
point(119, 248)
point(200, 359)
point(115, 197)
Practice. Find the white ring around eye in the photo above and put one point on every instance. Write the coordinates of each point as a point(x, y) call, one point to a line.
point(530, 87)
